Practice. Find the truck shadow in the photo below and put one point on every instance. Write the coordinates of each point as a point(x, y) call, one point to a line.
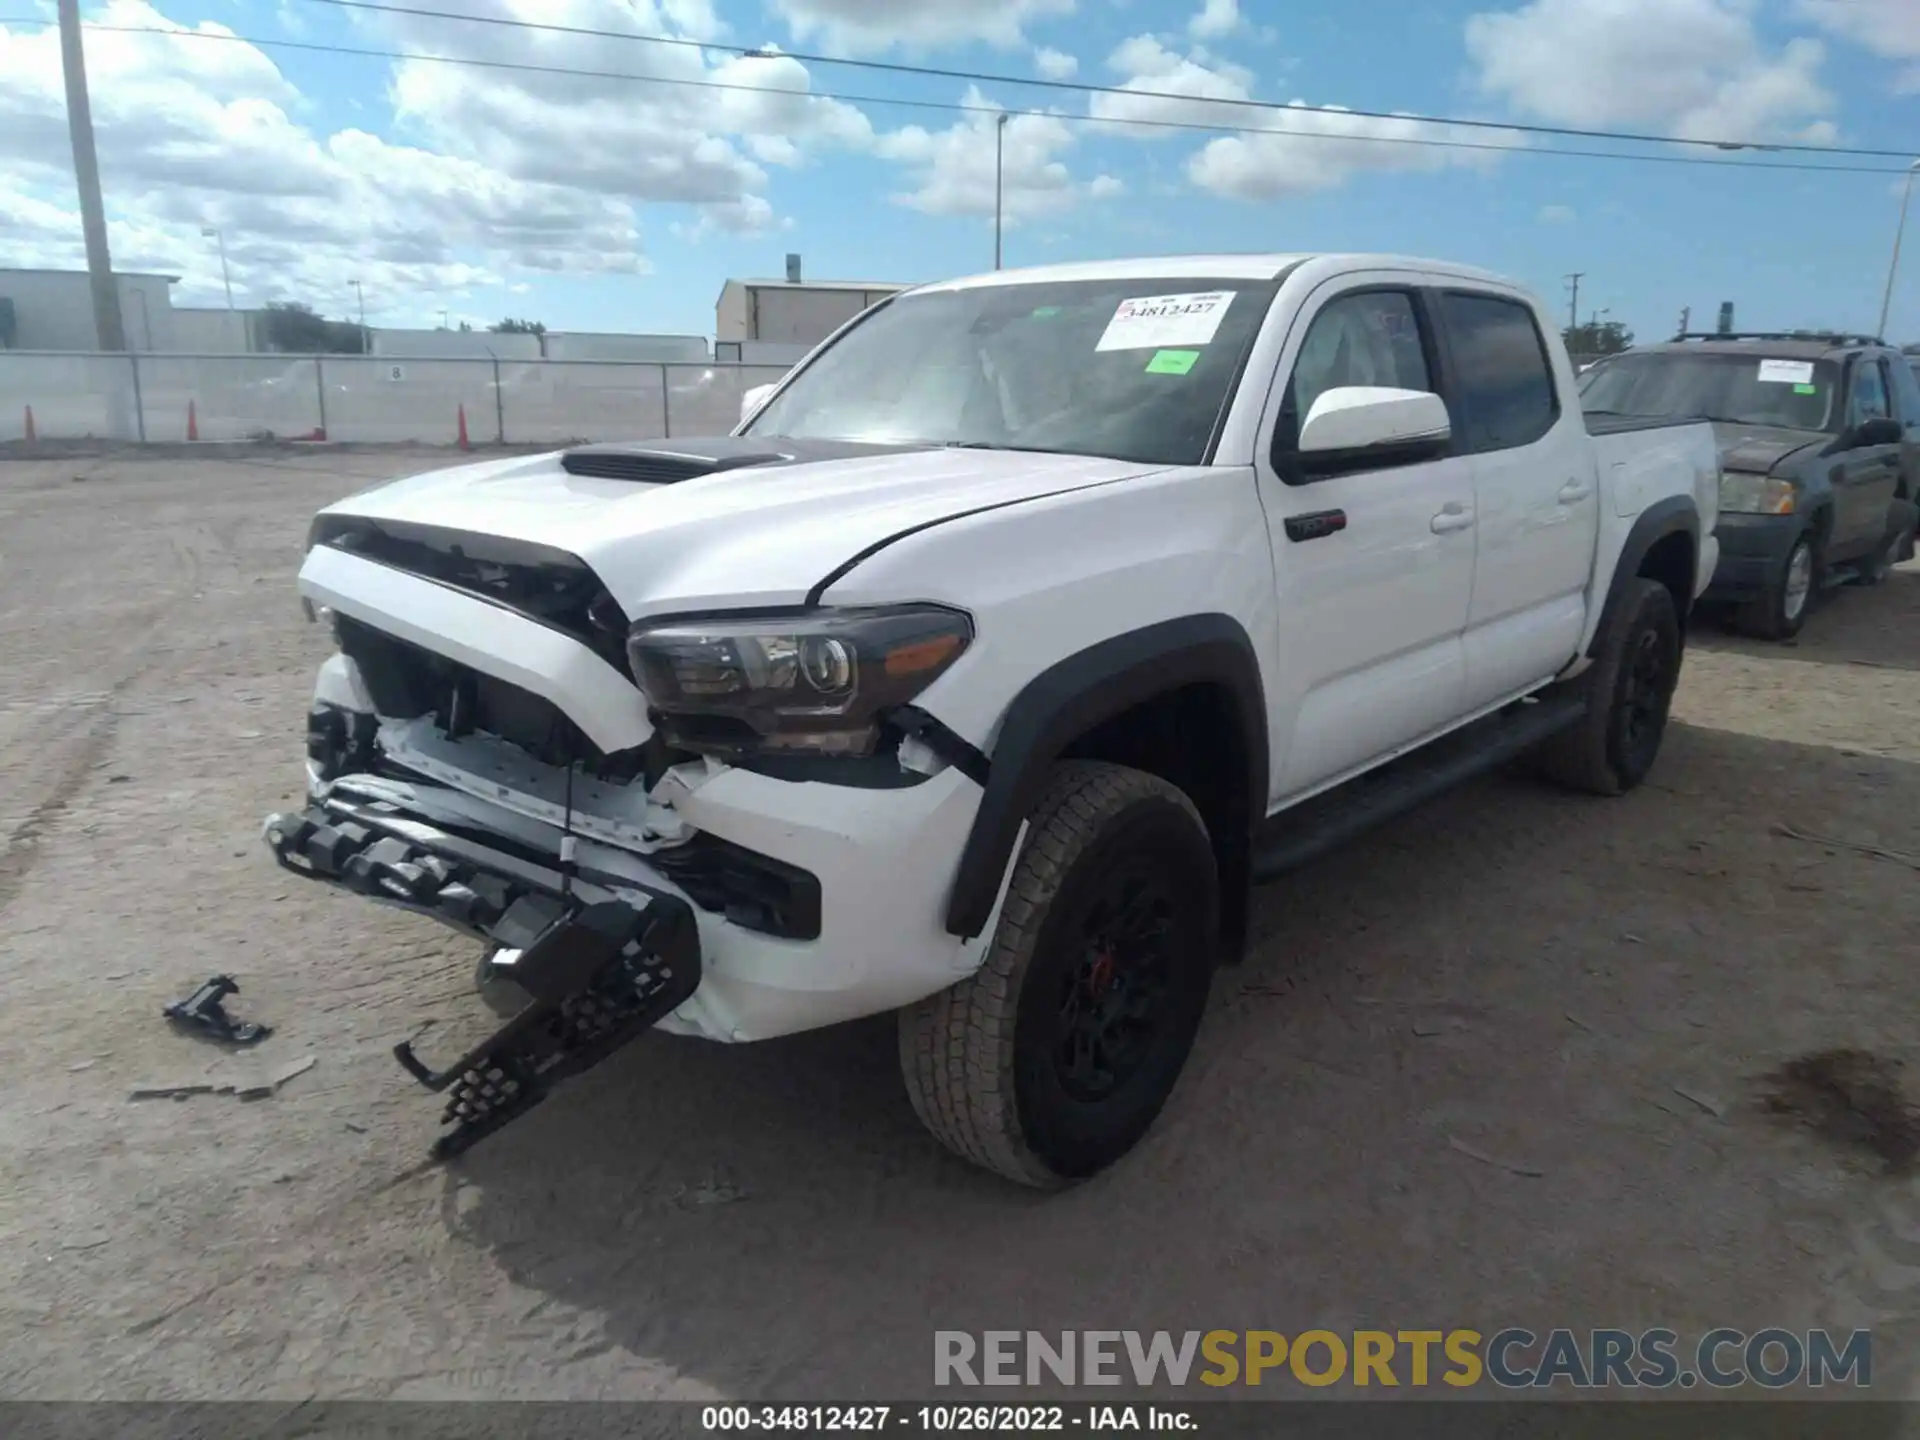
point(1526, 973)
point(1877, 627)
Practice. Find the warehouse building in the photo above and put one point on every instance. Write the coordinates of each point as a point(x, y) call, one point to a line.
point(776, 322)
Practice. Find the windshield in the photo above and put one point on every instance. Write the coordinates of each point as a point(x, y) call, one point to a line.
point(1127, 369)
point(1744, 389)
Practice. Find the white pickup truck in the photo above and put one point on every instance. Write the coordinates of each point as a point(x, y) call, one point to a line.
point(982, 670)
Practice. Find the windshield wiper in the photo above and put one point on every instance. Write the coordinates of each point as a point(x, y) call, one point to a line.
point(990, 445)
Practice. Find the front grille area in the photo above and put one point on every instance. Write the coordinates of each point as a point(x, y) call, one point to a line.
point(754, 891)
point(408, 682)
point(546, 585)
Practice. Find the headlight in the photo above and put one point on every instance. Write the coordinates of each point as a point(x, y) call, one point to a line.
point(1756, 495)
point(815, 682)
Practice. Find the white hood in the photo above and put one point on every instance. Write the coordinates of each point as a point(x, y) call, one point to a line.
point(736, 538)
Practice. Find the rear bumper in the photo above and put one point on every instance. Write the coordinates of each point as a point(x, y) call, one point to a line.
point(1753, 554)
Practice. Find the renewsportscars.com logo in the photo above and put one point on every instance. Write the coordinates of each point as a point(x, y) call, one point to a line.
point(1512, 1359)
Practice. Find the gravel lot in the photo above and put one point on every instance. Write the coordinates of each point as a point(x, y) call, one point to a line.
point(1523, 972)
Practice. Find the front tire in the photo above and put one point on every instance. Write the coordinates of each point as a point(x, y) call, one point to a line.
point(1630, 691)
point(1052, 1060)
point(1779, 611)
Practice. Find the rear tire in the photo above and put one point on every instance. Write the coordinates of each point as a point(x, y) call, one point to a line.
point(1630, 691)
point(1897, 546)
point(1779, 611)
point(1052, 1060)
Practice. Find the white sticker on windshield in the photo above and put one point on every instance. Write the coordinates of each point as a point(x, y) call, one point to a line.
point(1162, 322)
point(1786, 372)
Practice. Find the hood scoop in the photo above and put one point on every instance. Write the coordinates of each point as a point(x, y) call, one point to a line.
point(672, 462)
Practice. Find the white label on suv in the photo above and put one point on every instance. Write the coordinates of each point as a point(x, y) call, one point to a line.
point(1786, 372)
point(1153, 322)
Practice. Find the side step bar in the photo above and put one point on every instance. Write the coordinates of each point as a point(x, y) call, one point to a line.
point(1303, 834)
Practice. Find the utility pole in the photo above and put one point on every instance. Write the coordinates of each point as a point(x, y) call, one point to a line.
point(1906, 199)
point(999, 151)
point(214, 234)
point(1573, 305)
point(108, 331)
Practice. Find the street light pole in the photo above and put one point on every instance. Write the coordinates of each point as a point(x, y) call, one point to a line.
point(1899, 234)
point(212, 233)
point(363, 313)
point(999, 171)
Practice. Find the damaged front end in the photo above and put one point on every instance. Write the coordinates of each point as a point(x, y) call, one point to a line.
point(443, 790)
point(602, 958)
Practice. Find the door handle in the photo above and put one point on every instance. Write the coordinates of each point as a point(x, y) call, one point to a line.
point(1574, 491)
point(1453, 517)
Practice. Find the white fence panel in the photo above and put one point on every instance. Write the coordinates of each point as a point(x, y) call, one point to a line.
point(559, 401)
point(73, 397)
point(376, 398)
point(228, 397)
point(365, 398)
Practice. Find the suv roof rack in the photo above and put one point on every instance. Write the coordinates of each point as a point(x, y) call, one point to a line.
point(1830, 337)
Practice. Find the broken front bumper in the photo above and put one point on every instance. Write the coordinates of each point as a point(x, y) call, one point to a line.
point(602, 960)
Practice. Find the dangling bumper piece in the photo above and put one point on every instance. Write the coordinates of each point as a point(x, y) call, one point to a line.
point(601, 966)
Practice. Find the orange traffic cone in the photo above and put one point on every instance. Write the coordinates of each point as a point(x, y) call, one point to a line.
point(31, 437)
point(193, 423)
point(463, 429)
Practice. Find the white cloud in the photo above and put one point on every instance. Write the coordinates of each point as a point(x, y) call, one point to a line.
point(660, 136)
point(1215, 19)
point(1324, 146)
point(1557, 215)
point(861, 27)
point(952, 170)
point(1887, 28)
point(497, 171)
point(1282, 151)
point(1055, 64)
point(1193, 79)
point(1690, 68)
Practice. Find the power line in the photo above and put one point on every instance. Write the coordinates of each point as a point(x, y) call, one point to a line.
point(962, 107)
point(1082, 87)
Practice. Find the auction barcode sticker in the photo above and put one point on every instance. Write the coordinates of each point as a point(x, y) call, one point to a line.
point(1786, 372)
point(1166, 322)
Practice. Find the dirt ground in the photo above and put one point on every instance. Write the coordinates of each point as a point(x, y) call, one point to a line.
point(1532, 975)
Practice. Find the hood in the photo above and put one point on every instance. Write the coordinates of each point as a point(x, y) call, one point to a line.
point(1757, 449)
point(749, 535)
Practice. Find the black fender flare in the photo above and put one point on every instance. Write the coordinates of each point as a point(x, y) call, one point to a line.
point(1068, 699)
point(1676, 514)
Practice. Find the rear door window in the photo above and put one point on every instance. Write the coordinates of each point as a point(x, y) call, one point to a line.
point(1503, 379)
point(1867, 398)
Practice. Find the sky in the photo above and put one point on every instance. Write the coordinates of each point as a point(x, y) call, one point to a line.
point(623, 198)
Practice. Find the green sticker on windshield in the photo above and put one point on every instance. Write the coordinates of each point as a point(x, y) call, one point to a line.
point(1045, 310)
point(1806, 389)
point(1172, 362)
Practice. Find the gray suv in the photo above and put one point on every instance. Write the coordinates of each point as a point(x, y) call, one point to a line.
point(1819, 458)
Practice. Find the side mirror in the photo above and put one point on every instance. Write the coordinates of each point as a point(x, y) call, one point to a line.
point(1370, 427)
point(752, 400)
point(1878, 431)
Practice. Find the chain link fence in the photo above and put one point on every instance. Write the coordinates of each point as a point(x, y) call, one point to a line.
point(163, 399)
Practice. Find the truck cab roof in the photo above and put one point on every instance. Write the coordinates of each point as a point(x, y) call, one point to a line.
point(1263, 266)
